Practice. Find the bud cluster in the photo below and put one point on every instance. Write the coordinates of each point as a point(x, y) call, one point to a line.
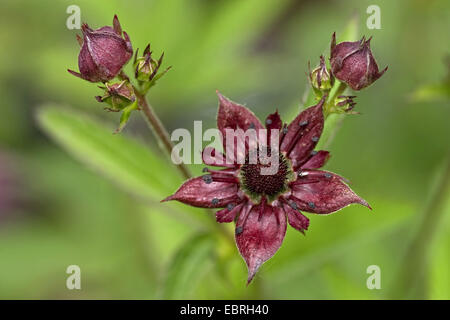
point(353, 64)
point(103, 55)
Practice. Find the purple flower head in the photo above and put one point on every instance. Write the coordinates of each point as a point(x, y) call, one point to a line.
point(263, 205)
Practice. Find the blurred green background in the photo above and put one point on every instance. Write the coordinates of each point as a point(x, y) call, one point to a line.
point(105, 216)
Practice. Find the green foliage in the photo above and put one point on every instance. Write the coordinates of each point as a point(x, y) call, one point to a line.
point(126, 162)
point(189, 264)
point(256, 52)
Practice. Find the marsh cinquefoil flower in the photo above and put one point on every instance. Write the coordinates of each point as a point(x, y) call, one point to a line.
point(104, 52)
point(263, 205)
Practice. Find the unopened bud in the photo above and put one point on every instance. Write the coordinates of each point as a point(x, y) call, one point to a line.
point(146, 68)
point(104, 52)
point(320, 77)
point(353, 63)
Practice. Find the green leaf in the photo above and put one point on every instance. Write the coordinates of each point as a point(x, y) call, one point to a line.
point(128, 163)
point(188, 266)
point(126, 112)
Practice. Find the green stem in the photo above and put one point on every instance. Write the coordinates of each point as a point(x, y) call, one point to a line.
point(159, 130)
point(335, 121)
point(335, 92)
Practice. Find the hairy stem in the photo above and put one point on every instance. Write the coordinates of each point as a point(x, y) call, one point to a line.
point(159, 130)
point(333, 121)
point(335, 92)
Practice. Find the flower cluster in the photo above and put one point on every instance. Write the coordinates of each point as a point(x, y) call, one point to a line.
point(261, 204)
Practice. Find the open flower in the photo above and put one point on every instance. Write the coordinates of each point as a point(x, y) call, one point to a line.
point(263, 204)
point(104, 52)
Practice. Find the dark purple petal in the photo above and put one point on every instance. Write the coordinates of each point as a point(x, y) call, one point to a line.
point(87, 65)
point(317, 160)
point(322, 192)
point(228, 214)
point(76, 74)
point(273, 122)
point(259, 234)
point(212, 157)
point(303, 134)
point(204, 193)
point(234, 116)
point(106, 29)
point(116, 26)
point(109, 52)
point(296, 219)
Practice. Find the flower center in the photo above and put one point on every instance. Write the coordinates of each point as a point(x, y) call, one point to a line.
point(256, 177)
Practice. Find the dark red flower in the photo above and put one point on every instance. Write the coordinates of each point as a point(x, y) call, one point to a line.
point(263, 205)
point(104, 52)
point(353, 63)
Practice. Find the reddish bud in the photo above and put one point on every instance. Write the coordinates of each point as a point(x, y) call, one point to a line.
point(104, 52)
point(353, 63)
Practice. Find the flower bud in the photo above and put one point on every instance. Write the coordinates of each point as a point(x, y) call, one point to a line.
point(118, 95)
point(104, 52)
point(320, 77)
point(146, 68)
point(353, 63)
